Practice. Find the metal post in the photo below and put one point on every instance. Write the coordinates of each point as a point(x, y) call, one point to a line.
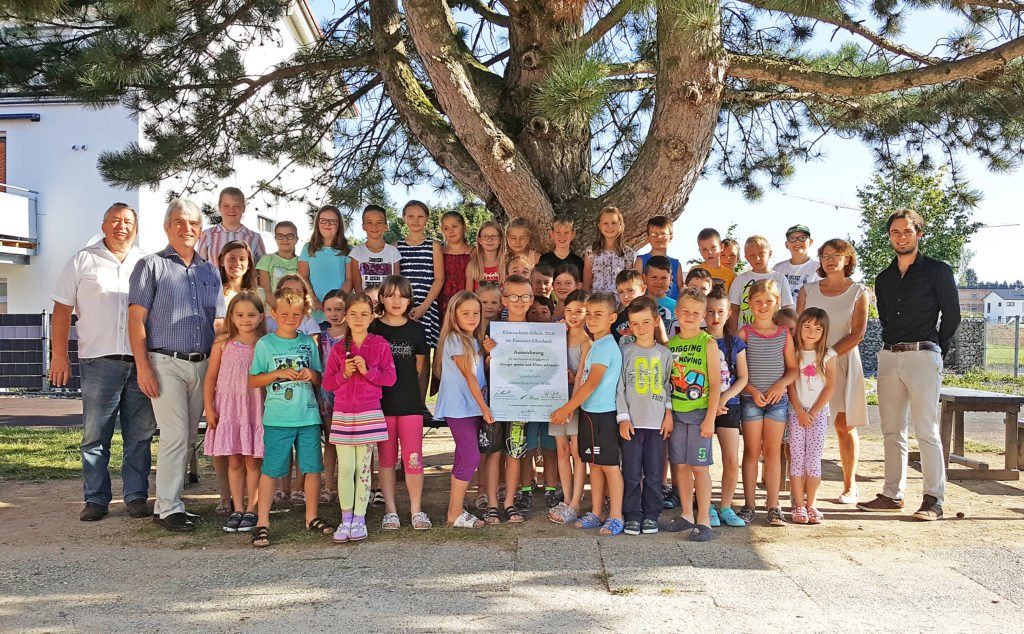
point(46, 352)
point(1016, 346)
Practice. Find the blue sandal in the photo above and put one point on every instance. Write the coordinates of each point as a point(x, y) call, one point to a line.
point(588, 521)
point(614, 526)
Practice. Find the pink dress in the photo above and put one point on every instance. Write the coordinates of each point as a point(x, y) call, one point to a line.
point(239, 408)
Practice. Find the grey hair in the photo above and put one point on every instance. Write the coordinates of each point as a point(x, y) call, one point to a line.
point(119, 207)
point(182, 204)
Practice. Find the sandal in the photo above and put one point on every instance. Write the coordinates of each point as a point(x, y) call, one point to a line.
point(679, 524)
point(391, 522)
point(325, 496)
point(481, 502)
point(814, 516)
point(775, 517)
point(378, 498)
point(318, 525)
point(261, 537)
point(467, 520)
point(562, 513)
point(421, 521)
point(799, 515)
point(513, 516)
point(491, 516)
point(224, 507)
point(612, 526)
point(590, 520)
point(298, 498)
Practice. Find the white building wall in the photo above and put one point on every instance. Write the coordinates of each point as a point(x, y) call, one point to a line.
point(1001, 311)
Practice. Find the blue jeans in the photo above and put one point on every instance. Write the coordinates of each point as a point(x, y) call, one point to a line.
point(110, 391)
point(643, 459)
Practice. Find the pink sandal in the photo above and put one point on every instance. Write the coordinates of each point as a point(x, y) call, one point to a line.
point(814, 516)
point(800, 515)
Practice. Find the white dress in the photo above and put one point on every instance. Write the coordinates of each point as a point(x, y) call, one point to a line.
point(849, 396)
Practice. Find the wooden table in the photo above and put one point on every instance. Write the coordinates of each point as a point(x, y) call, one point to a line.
point(955, 401)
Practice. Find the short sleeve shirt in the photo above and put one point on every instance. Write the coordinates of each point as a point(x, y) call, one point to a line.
point(798, 274)
point(730, 350)
point(327, 267)
point(288, 403)
point(722, 274)
point(214, 239)
point(407, 342)
point(604, 352)
point(453, 398)
point(277, 267)
point(739, 293)
point(374, 267)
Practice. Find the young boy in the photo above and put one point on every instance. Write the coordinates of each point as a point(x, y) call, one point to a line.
point(659, 234)
point(374, 259)
point(562, 235)
point(542, 279)
point(629, 284)
point(594, 394)
point(274, 266)
point(644, 408)
point(730, 255)
point(658, 279)
point(696, 382)
point(800, 268)
point(231, 206)
point(287, 363)
point(542, 311)
point(709, 243)
point(757, 252)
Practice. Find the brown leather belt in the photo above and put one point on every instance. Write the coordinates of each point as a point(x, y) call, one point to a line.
point(912, 347)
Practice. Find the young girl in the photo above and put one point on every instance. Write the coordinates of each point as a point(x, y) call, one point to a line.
point(808, 412)
point(571, 474)
point(359, 366)
point(490, 305)
point(518, 236)
point(456, 257)
point(374, 259)
point(423, 266)
point(460, 401)
point(403, 410)
point(234, 411)
point(487, 263)
point(273, 266)
point(324, 263)
point(566, 280)
point(332, 331)
point(730, 253)
point(608, 255)
point(727, 424)
point(519, 265)
point(764, 406)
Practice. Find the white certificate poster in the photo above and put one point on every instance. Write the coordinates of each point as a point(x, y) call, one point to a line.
point(529, 371)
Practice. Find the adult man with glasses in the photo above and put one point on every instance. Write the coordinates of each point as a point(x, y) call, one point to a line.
point(914, 294)
point(273, 266)
point(94, 285)
point(800, 268)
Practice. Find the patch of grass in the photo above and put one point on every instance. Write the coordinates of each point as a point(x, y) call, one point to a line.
point(979, 379)
point(623, 590)
point(30, 453)
point(972, 446)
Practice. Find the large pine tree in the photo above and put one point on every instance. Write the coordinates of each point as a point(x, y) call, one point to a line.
point(535, 106)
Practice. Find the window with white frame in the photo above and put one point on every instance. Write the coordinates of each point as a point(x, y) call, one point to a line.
point(3, 296)
point(264, 224)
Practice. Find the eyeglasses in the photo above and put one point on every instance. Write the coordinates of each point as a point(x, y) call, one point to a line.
point(797, 238)
point(489, 236)
point(659, 235)
point(328, 222)
point(286, 236)
point(830, 257)
point(520, 298)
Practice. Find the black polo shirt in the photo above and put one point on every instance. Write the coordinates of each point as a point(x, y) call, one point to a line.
point(920, 305)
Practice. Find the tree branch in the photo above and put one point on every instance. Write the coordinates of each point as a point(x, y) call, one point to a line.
point(631, 68)
point(606, 23)
point(483, 11)
point(803, 78)
point(1006, 5)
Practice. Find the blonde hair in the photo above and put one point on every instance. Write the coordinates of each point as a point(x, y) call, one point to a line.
point(598, 246)
point(450, 328)
point(522, 259)
point(257, 303)
point(820, 317)
point(766, 286)
point(522, 223)
point(760, 241)
point(475, 270)
point(292, 297)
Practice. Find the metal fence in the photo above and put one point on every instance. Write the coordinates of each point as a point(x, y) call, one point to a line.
point(25, 354)
point(1003, 347)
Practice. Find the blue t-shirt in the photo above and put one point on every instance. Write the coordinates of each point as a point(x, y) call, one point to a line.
point(667, 312)
point(673, 287)
point(327, 269)
point(287, 403)
point(728, 367)
point(453, 397)
point(604, 352)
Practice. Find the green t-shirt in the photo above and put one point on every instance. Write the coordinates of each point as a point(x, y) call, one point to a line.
point(277, 267)
point(690, 371)
point(287, 403)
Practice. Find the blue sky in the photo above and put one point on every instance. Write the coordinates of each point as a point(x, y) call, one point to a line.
point(846, 164)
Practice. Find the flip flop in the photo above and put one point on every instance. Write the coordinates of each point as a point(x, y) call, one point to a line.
point(590, 520)
point(613, 525)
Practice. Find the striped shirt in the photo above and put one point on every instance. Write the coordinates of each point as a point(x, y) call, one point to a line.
point(766, 357)
point(418, 267)
point(183, 301)
point(214, 239)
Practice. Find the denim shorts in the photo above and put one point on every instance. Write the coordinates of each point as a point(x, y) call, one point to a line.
point(778, 412)
point(277, 449)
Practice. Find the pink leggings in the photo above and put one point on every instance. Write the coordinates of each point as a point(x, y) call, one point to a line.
point(409, 430)
point(806, 445)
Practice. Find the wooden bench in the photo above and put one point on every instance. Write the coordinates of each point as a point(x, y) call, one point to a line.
point(955, 402)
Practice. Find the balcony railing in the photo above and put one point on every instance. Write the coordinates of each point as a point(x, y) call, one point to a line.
point(19, 229)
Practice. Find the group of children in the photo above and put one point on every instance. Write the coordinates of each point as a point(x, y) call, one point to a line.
point(660, 361)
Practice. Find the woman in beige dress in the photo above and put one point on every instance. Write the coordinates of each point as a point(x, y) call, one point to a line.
point(846, 303)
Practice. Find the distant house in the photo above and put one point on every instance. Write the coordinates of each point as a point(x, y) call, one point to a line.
point(1002, 305)
point(52, 196)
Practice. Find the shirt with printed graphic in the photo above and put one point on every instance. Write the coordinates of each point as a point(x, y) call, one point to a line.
point(690, 371)
point(645, 387)
point(287, 403)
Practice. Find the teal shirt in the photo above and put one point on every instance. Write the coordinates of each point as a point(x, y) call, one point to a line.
point(604, 352)
point(690, 371)
point(288, 403)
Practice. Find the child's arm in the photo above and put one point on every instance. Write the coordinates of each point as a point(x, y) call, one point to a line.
point(794, 404)
point(638, 264)
point(775, 392)
point(435, 288)
point(661, 335)
point(826, 393)
point(210, 383)
point(263, 278)
point(381, 370)
point(707, 427)
point(581, 393)
point(351, 276)
point(801, 301)
point(465, 366)
point(626, 429)
point(738, 384)
point(588, 273)
point(734, 318)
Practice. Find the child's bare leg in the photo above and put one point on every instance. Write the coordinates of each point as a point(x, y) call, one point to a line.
point(512, 468)
point(616, 486)
point(564, 455)
point(596, 490)
point(550, 468)
point(772, 447)
point(811, 484)
point(682, 477)
point(579, 476)
point(492, 465)
point(252, 482)
point(266, 499)
point(729, 440)
point(702, 484)
point(796, 484)
point(311, 487)
point(222, 467)
point(386, 478)
point(751, 457)
point(235, 473)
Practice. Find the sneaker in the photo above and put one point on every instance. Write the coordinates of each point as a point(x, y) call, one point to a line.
point(341, 534)
point(747, 514)
point(814, 516)
point(729, 517)
point(632, 527)
point(248, 522)
point(882, 504)
point(930, 510)
point(715, 521)
point(850, 497)
point(357, 532)
point(234, 520)
point(775, 517)
point(551, 498)
point(800, 515)
point(649, 527)
point(523, 501)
